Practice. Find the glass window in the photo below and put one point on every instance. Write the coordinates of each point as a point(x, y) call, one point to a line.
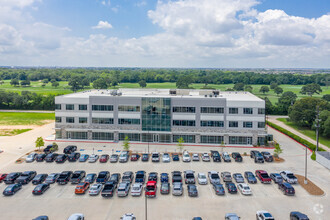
point(58, 134)
point(128, 121)
point(248, 111)
point(131, 136)
point(233, 124)
point(233, 110)
point(69, 107)
point(69, 119)
point(240, 140)
point(82, 120)
point(261, 111)
point(186, 138)
point(82, 107)
point(102, 120)
point(261, 140)
point(261, 124)
point(102, 107)
point(156, 114)
point(247, 124)
point(184, 123)
point(58, 119)
point(58, 107)
point(212, 124)
point(128, 108)
point(184, 109)
point(102, 136)
point(76, 135)
point(206, 139)
point(212, 110)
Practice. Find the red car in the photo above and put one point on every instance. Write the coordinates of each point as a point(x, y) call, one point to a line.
point(81, 188)
point(3, 176)
point(135, 157)
point(263, 176)
point(104, 158)
point(151, 189)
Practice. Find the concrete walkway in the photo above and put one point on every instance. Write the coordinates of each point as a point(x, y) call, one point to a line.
point(274, 120)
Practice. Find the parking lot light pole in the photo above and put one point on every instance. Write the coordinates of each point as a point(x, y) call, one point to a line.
point(146, 207)
point(305, 181)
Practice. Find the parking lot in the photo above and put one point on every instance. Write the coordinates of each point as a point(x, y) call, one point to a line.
point(60, 201)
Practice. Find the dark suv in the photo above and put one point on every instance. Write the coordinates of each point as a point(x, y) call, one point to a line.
point(64, 177)
point(11, 177)
point(298, 216)
point(78, 176)
point(49, 149)
point(26, 177)
point(103, 177)
point(267, 156)
point(257, 156)
point(51, 157)
point(73, 157)
point(237, 157)
point(216, 156)
point(70, 149)
point(109, 189)
point(176, 177)
point(286, 188)
point(61, 158)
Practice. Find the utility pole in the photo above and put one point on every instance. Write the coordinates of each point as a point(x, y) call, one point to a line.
point(317, 126)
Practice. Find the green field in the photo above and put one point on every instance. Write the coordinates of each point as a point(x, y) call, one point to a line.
point(13, 132)
point(308, 132)
point(22, 118)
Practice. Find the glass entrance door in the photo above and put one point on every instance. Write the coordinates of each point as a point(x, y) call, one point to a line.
point(155, 138)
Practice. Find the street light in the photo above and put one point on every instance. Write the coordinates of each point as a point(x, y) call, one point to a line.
point(305, 181)
point(146, 206)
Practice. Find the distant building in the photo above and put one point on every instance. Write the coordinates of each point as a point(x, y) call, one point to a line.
point(162, 116)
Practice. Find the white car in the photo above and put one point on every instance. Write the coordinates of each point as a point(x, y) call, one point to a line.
point(166, 158)
point(202, 179)
point(95, 189)
point(289, 177)
point(155, 157)
point(264, 215)
point(123, 158)
point(76, 216)
point(186, 157)
point(128, 216)
point(244, 188)
point(206, 157)
point(226, 157)
point(31, 157)
point(232, 216)
point(195, 157)
point(93, 158)
point(136, 189)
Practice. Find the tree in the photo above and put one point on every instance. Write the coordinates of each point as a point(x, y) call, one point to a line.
point(230, 89)
point(143, 84)
point(55, 84)
point(40, 142)
point(1, 82)
point(45, 81)
point(100, 83)
point(310, 89)
point(25, 82)
point(273, 85)
point(75, 83)
point(287, 98)
point(239, 87)
point(248, 88)
point(183, 82)
point(126, 144)
point(278, 90)
point(14, 82)
point(325, 123)
point(278, 150)
point(264, 89)
point(54, 147)
point(180, 144)
point(326, 97)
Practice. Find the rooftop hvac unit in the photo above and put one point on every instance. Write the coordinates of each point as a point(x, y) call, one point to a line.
point(172, 91)
point(216, 92)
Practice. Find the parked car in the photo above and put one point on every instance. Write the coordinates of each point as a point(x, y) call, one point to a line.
point(93, 158)
point(145, 157)
point(226, 157)
point(231, 187)
point(12, 189)
point(298, 216)
point(136, 189)
point(104, 158)
point(164, 177)
point(51, 157)
point(267, 156)
point(238, 178)
point(218, 189)
point(231, 216)
point(175, 157)
point(81, 188)
point(40, 189)
point(276, 177)
point(52, 178)
point(176, 177)
point(237, 157)
point(264, 215)
point(123, 189)
point(195, 157)
point(76, 216)
point(61, 158)
point(206, 157)
point(250, 177)
point(83, 157)
point(151, 189)
point(215, 156)
point(41, 217)
point(166, 158)
point(257, 156)
point(165, 188)
point(226, 176)
point(153, 176)
point(11, 177)
point(115, 177)
point(114, 158)
point(90, 178)
point(140, 176)
point(286, 188)
point(192, 190)
point(263, 176)
point(214, 177)
point(128, 216)
point(95, 189)
point(109, 189)
point(135, 157)
point(186, 156)
point(49, 149)
point(3, 176)
point(289, 177)
point(78, 176)
point(244, 188)
point(64, 177)
point(40, 178)
point(155, 157)
point(103, 177)
point(202, 179)
point(73, 157)
point(31, 157)
point(127, 177)
point(26, 177)
point(41, 157)
point(123, 158)
point(69, 149)
point(177, 189)
point(189, 177)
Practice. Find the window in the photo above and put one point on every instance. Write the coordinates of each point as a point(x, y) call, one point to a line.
point(58, 119)
point(184, 123)
point(184, 109)
point(57, 106)
point(128, 121)
point(131, 136)
point(240, 140)
point(102, 108)
point(82, 120)
point(58, 134)
point(261, 111)
point(233, 124)
point(261, 140)
point(247, 124)
point(211, 139)
point(248, 111)
point(211, 123)
point(82, 107)
point(212, 110)
point(233, 110)
point(102, 120)
point(186, 138)
point(69, 107)
point(261, 124)
point(76, 135)
point(128, 108)
point(102, 136)
point(69, 119)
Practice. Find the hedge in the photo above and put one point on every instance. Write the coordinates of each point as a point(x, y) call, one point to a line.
point(295, 137)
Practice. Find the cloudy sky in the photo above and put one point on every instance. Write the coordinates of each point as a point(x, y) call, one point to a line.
point(166, 33)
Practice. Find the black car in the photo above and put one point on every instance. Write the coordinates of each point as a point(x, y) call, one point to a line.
point(153, 176)
point(69, 149)
point(10, 178)
point(73, 157)
point(109, 189)
point(250, 177)
point(140, 176)
point(145, 157)
point(298, 216)
point(64, 177)
point(231, 187)
point(26, 177)
point(61, 158)
point(267, 156)
point(215, 156)
point(40, 178)
point(40, 189)
point(192, 190)
point(78, 176)
point(237, 157)
point(49, 149)
point(103, 177)
point(176, 177)
point(218, 189)
point(51, 157)
point(12, 189)
point(175, 157)
point(40, 157)
point(115, 177)
point(286, 188)
point(127, 176)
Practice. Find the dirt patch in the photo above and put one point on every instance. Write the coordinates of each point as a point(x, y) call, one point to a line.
point(278, 160)
point(310, 187)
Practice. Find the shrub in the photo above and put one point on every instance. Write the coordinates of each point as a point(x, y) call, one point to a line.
point(313, 156)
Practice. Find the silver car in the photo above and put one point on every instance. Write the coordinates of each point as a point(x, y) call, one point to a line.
point(231, 216)
point(123, 158)
point(226, 176)
point(51, 178)
point(202, 180)
point(114, 158)
point(177, 189)
point(214, 177)
point(31, 157)
point(95, 189)
point(206, 157)
point(195, 157)
point(136, 189)
point(93, 158)
point(123, 189)
point(238, 178)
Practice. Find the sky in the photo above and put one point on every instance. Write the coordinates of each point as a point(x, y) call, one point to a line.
point(165, 33)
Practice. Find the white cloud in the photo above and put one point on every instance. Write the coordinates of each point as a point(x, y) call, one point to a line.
point(17, 3)
point(106, 3)
point(103, 25)
point(141, 3)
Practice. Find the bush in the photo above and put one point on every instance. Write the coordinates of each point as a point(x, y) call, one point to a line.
point(313, 156)
point(295, 137)
point(55, 147)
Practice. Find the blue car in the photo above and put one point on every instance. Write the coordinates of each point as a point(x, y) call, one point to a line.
point(140, 176)
point(83, 158)
point(175, 157)
point(164, 177)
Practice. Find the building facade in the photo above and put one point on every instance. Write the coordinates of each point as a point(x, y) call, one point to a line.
point(162, 116)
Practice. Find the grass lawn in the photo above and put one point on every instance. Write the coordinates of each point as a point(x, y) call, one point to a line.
point(306, 131)
point(22, 118)
point(13, 132)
